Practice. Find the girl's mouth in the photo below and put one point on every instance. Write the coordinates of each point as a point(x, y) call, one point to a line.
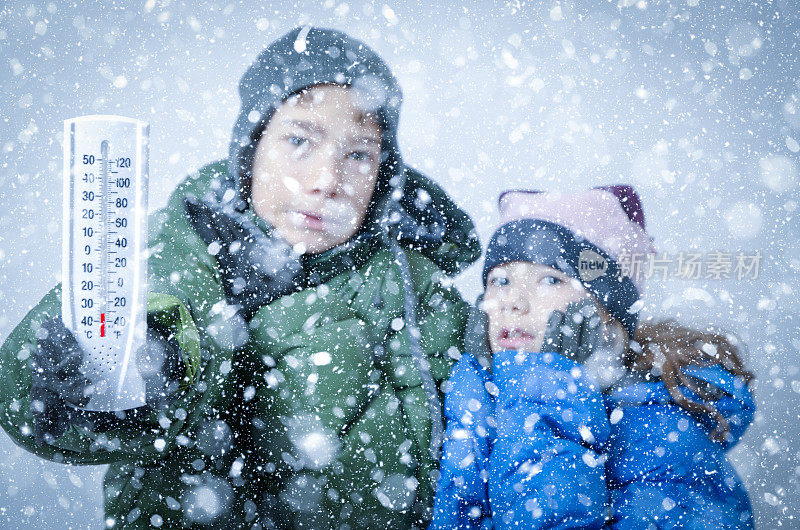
point(513, 338)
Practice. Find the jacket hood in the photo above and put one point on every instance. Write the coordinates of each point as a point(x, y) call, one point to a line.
point(304, 57)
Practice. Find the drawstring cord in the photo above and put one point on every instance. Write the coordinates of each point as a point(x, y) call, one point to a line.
point(390, 237)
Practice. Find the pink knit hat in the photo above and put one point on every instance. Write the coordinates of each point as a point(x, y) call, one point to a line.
point(610, 217)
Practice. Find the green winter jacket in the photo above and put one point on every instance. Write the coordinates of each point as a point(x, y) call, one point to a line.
point(319, 421)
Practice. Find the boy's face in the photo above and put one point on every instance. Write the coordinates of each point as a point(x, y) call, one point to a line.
point(518, 300)
point(315, 168)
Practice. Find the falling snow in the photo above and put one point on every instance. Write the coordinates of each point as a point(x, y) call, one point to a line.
point(696, 104)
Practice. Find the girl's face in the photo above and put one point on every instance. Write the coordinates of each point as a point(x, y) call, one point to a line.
point(315, 168)
point(518, 300)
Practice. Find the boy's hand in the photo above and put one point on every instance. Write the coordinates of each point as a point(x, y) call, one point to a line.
point(255, 269)
point(574, 333)
point(56, 380)
point(59, 389)
point(161, 366)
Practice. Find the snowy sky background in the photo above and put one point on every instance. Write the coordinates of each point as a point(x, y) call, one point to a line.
point(694, 102)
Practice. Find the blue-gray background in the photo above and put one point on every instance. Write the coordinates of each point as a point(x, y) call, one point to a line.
point(695, 102)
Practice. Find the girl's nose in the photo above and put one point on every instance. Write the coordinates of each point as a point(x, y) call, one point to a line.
point(514, 303)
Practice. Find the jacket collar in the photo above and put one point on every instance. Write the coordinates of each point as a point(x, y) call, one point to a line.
point(320, 268)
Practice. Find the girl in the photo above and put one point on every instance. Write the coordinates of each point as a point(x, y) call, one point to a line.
point(300, 314)
point(563, 422)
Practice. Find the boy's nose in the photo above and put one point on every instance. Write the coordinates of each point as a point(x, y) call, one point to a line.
point(323, 182)
point(324, 176)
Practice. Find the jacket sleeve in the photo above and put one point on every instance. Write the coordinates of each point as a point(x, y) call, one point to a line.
point(462, 497)
point(664, 470)
point(547, 460)
point(182, 292)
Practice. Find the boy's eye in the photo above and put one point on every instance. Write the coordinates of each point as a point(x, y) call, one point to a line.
point(359, 156)
point(297, 141)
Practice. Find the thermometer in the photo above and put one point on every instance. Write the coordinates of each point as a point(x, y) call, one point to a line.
point(104, 261)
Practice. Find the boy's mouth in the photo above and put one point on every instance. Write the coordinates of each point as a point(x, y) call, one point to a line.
point(513, 338)
point(308, 219)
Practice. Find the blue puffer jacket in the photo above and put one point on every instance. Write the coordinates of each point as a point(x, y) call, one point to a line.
point(535, 444)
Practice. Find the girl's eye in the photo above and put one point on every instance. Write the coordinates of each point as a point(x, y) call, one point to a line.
point(550, 280)
point(498, 281)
